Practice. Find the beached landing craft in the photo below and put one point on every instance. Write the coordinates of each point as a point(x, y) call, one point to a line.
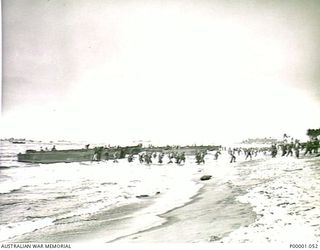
point(102, 153)
point(78, 155)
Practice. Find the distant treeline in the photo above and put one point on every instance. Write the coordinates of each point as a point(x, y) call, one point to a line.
point(313, 133)
point(260, 140)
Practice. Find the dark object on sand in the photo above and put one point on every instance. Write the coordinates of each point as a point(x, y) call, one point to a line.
point(205, 177)
point(214, 238)
point(142, 196)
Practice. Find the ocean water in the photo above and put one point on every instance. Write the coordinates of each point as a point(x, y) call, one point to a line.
point(91, 201)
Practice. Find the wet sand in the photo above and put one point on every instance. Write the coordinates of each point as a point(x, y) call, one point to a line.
point(113, 221)
point(263, 201)
point(212, 214)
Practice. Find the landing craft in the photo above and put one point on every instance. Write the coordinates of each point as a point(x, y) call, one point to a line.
point(102, 153)
point(77, 155)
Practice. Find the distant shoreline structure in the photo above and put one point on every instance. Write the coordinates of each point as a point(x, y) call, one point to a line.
point(265, 140)
point(310, 133)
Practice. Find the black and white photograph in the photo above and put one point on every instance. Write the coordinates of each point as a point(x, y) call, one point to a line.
point(133, 122)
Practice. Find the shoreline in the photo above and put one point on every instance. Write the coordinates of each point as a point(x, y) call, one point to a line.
point(164, 215)
point(92, 231)
point(235, 205)
point(240, 209)
point(123, 220)
point(195, 221)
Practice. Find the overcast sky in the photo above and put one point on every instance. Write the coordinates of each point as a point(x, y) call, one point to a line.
point(168, 71)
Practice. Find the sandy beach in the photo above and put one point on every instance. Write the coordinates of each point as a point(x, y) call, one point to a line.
point(258, 201)
point(211, 215)
point(263, 200)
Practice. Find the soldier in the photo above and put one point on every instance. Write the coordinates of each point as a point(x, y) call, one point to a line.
point(177, 158)
point(160, 157)
point(141, 156)
point(297, 151)
point(130, 158)
point(274, 151)
point(170, 158)
point(198, 158)
point(107, 155)
point(284, 149)
point(249, 154)
point(202, 157)
point(115, 157)
point(315, 145)
point(147, 158)
point(97, 154)
point(290, 147)
point(183, 157)
point(308, 148)
point(233, 157)
point(216, 155)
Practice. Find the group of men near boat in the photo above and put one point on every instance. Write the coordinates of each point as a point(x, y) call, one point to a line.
point(179, 157)
point(248, 152)
point(173, 157)
point(47, 149)
point(287, 149)
point(295, 147)
point(147, 157)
